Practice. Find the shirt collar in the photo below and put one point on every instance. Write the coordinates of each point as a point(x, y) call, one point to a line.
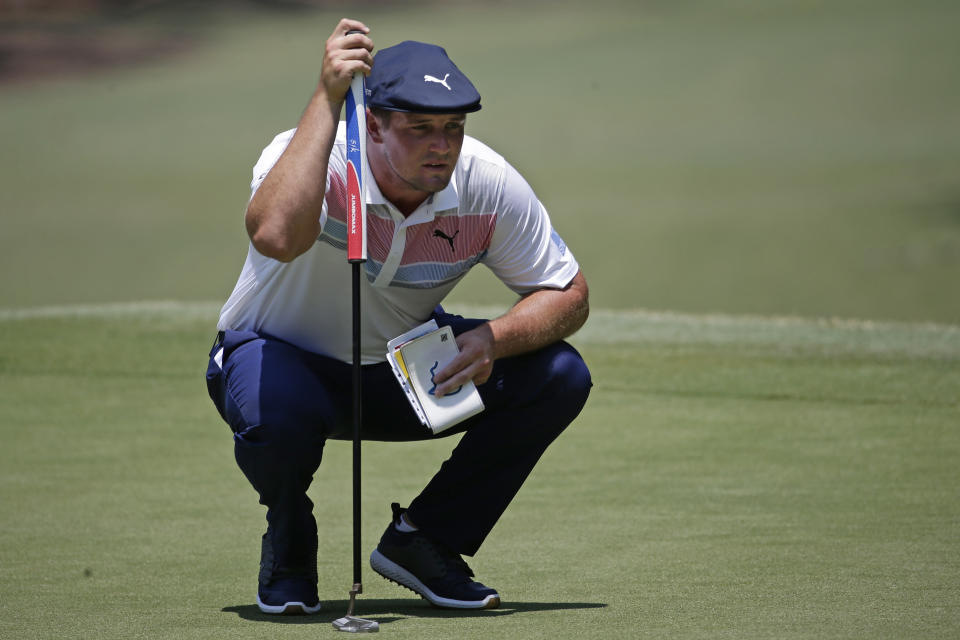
point(448, 198)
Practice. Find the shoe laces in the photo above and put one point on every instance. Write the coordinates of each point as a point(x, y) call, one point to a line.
point(448, 558)
point(451, 560)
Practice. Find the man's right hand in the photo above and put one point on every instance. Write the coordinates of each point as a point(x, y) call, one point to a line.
point(344, 56)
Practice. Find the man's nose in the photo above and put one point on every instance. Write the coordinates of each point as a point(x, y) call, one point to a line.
point(439, 143)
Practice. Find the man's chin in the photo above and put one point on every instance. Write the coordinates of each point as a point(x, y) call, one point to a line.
point(434, 185)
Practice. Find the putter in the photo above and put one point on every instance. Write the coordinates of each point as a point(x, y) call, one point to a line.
point(356, 255)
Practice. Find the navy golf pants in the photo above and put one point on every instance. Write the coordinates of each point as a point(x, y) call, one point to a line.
point(283, 403)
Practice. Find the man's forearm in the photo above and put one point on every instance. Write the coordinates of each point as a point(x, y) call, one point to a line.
point(541, 318)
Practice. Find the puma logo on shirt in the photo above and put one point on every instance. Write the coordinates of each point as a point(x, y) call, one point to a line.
point(437, 233)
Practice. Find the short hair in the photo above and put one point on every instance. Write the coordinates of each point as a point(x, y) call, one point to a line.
point(381, 114)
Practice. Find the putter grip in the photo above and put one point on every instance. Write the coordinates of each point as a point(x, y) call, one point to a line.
point(356, 170)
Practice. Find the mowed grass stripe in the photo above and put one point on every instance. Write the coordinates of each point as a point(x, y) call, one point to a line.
point(614, 326)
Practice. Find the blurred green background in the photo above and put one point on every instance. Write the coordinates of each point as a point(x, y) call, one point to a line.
point(730, 477)
point(789, 158)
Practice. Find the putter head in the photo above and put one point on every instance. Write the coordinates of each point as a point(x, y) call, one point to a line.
point(352, 624)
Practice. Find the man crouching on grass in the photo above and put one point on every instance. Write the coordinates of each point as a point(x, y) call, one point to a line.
point(439, 203)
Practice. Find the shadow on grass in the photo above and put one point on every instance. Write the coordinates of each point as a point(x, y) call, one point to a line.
point(387, 611)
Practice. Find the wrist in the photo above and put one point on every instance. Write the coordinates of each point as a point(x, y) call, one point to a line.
point(320, 115)
point(322, 99)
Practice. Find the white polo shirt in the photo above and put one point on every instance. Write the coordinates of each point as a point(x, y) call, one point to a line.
point(487, 214)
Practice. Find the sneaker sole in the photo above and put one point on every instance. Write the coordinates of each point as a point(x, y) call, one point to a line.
point(395, 573)
point(287, 609)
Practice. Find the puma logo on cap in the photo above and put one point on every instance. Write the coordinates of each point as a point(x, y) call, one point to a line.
point(429, 78)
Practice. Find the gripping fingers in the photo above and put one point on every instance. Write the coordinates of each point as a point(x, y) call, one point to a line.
point(461, 370)
point(346, 25)
point(351, 36)
point(344, 56)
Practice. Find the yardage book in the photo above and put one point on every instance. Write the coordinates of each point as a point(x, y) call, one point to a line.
point(415, 357)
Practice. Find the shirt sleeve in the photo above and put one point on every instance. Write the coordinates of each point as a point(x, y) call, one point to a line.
point(269, 157)
point(526, 253)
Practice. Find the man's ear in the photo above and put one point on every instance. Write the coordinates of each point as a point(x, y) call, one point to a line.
point(374, 130)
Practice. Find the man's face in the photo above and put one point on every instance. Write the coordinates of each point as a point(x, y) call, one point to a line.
point(420, 151)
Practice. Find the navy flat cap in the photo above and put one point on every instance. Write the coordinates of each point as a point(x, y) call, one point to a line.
point(420, 78)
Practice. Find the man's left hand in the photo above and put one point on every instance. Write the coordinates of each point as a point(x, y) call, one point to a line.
point(475, 361)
